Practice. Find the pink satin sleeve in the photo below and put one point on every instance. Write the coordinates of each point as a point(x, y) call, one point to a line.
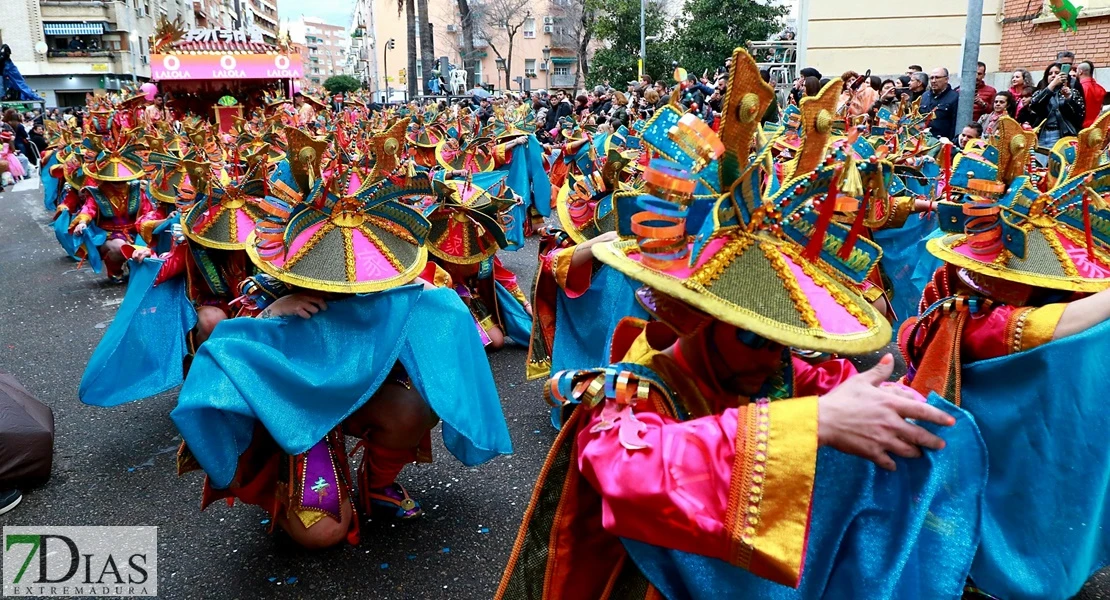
point(985, 335)
point(820, 379)
point(673, 494)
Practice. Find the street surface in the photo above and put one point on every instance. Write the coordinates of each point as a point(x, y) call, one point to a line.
point(117, 466)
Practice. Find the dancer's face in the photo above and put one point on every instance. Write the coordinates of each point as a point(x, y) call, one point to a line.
point(741, 360)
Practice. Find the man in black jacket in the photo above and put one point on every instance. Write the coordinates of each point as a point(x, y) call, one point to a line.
point(560, 107)
point(942, 100)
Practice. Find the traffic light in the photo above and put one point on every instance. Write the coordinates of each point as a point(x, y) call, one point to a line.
point(391, 44)
point(401, 73)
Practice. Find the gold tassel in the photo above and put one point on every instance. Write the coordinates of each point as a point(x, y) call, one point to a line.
point(851, 184)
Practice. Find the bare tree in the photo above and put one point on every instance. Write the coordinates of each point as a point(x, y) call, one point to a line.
point(573, 29)
point(501, 21)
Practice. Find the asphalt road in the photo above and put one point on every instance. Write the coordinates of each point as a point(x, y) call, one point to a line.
point(117, 466)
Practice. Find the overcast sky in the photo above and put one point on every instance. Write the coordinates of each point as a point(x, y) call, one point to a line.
point(334, 12)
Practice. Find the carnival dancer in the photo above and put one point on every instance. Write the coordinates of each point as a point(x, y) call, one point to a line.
point(384, 365)
point(578, 300)
point(1013, 329)
point(465, 235)
point(217, 222)
point(691, 467)
point(115, 199)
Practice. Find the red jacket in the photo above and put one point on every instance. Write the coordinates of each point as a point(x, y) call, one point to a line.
point(985, 93)
point(1093, 96)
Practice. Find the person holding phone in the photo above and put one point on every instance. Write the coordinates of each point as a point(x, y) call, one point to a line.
point(1056, 106)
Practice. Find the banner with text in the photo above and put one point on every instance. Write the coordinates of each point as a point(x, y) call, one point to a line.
point(171, 67)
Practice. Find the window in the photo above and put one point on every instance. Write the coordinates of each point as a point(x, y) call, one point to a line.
point(529, 67)
point(561, 71)
point(529, 28)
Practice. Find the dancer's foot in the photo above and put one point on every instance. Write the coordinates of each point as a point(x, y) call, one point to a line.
point(9, 500)
point(393, 501)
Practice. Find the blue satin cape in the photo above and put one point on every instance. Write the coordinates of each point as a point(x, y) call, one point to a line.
point(927, 264)
point(581, 322)
point(1044, 417)
point(905, 535)
point(518, 325)
point(51, 186)
point(902, 248)
point(300, 378)
point(140, 354)
point(527, 178)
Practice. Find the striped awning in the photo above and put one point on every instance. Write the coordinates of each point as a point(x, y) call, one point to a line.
point(73, 28)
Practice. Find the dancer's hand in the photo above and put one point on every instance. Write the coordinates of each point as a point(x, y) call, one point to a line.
point(583, 254)
point(866, 418)
point(302, 305)
point(79, 228)
point(140, 254)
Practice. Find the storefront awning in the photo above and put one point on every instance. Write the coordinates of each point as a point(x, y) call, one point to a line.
point(73, 28)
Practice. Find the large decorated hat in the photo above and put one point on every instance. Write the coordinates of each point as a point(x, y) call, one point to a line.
point(1005, 228)
point(585, 204)
point(115, 156)
point(465, 152)
point(226, 207)
point(771, 262)
point(350, 234)
point(169, 174)
point(466, 225)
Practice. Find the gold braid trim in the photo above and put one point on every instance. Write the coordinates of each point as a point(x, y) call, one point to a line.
point(386, 252)
point(838, 294)
point(712, 269)
point(801, 304)
point(349, 253)
point(743, 463)
point(1061, 254)
point(308, 245)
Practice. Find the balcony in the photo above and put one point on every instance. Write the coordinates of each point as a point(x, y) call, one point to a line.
point(562, 81)
point(77, 11)
point(83, 55)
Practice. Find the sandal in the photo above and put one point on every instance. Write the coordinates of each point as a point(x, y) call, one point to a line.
point(393, 502)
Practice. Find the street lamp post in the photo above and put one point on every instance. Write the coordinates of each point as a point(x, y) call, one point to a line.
point(133, 38)
point(547, 65)
point(389, 45)
point(643, 40)
point(500, 68)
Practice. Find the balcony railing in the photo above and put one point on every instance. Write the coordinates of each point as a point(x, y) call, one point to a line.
point(79, 53)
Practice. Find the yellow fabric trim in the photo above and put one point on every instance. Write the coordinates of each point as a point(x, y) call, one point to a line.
point(1040, 325)
point(442, 278)
point(560, 264)
point(309, 517)
point(900, 210)
point(779, 537)
point(80, 218)
point(146, 230)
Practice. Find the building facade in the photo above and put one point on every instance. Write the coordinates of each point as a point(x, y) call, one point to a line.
point(543, 47)
point(887, 37)
point(1031, 37)
point(66, 49)
point(324, 45)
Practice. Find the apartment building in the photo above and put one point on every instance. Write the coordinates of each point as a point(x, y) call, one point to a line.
point(544, 51)
point(68, 48)
point(325, 47)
